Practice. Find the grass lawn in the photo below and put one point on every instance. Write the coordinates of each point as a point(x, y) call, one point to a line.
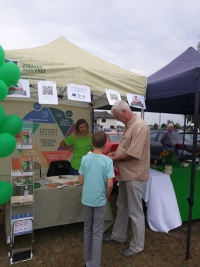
point(62, 246)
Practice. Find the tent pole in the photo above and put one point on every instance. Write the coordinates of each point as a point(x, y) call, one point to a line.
point(92, 117)
point(159, 120)
point(183, 136)
point(142, 114)
point(192, 179)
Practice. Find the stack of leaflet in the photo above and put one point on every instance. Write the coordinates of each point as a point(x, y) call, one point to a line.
point(63, 179)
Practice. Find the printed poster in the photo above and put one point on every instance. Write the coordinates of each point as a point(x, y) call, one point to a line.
point(24, 139)
point(23, 223)
point(78, 92)
point(20, 89)
point(136, 101)
point(21, 166)
point(112, 96)
point(47, 93)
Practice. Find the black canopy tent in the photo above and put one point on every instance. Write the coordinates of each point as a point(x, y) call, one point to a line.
point(176, 89)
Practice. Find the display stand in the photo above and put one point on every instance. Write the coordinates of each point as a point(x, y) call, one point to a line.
point(21, 207)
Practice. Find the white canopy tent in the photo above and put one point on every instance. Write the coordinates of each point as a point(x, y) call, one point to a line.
point(63, 62)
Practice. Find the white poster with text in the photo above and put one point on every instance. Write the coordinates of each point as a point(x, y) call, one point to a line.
point(78, 92)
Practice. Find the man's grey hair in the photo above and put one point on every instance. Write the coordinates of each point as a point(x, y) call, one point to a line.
point(170, 125)
point(119, 105)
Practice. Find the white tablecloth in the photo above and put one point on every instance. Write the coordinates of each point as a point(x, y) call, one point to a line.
point(162, 208)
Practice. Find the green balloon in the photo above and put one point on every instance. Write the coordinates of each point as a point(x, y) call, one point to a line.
point(3, 90)
point(2, 114)
point(2, 55)
point(6, 191)
point(7, 144)
point(9, 73)
point(12, 124)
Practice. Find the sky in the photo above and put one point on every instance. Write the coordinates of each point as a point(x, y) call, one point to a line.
point(138, 35)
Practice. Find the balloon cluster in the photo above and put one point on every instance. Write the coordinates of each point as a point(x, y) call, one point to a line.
point(9, 125)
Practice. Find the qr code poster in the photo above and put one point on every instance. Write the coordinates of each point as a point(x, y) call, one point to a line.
point(136, 101)
point(112, 96)
point(47, 93)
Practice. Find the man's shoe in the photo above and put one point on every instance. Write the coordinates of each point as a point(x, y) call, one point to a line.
point(129, 253)
point(108, 240)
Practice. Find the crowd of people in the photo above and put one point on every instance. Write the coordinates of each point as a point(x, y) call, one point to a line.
point(96, 173)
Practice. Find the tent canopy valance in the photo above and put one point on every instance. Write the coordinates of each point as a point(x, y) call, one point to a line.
point(63, 62)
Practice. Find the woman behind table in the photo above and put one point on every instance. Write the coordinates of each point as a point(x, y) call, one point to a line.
point(79, 143)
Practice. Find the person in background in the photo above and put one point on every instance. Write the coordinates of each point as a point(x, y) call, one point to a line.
point(79, 143)
point(96, 175)
point(166, 140)
point(132, 159)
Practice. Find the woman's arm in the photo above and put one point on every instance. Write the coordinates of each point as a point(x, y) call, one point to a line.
point(63, 145)
point(81, 179)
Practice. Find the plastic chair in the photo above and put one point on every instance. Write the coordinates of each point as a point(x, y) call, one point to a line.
point(37, 166)
point(59, 167)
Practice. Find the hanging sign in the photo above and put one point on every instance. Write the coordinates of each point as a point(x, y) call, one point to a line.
point(78, 92)
point(47, 93)
point(112, 96)
point(136, 101)
point(20, 89)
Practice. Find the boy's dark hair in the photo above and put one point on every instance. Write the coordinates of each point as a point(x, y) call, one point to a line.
point(99, 139)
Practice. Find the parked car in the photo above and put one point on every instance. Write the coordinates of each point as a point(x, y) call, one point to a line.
point(119, 130)
point(97, 128)
point(112, 142)
point(109, 130)
point(178, 146)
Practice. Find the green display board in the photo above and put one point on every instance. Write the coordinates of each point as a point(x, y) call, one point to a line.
point(180, 178)
point(181, 181)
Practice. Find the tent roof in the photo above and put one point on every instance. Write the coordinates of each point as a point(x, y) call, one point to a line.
point(172, 89)
point(103, 114)
point(63, 62)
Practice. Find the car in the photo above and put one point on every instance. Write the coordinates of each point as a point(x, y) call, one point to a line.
point(119, 130)
point(112, 142)
point(183, 151)
point(108, 130)
point(97, 128)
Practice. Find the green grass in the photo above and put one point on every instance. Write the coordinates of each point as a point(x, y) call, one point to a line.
point(62, 246)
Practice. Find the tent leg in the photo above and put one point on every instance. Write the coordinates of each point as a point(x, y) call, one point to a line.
point(92, 118)
point(192, 179)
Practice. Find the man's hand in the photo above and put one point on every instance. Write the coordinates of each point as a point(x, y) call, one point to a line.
point(111, 154)
point(111, 157)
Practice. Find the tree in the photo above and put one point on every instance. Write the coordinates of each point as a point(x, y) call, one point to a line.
point(155, 127)
point(169, 121)
point(177, 126)
point(198, 46)
point(164, 125)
